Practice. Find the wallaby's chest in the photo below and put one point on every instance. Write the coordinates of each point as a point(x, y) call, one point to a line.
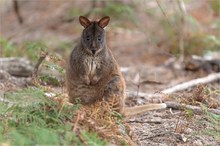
point(92, 65)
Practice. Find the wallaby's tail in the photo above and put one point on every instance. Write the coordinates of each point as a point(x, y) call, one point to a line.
point(131, 111)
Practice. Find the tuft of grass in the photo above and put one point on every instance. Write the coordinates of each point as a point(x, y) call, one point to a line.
point(213, 123)
point(32, 49)
point(49, 80)
point(35, 119)
point(25, 96)
point(56, 71)
point(92, 139)
point(53, 66)
point(203, 95)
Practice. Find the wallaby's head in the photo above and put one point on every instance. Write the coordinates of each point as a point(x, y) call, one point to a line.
point(93, 36)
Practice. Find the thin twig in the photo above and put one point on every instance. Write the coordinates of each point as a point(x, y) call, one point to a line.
point(156, 135)
point(17, 11)
point(181, 29)
point(76, 122)
point(164, 13)
point(195, 109)
point(35, 71)
point(144, 121)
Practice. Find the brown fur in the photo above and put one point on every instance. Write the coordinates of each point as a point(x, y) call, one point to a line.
point(93, 74)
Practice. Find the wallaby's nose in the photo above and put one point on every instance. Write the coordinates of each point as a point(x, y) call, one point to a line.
point(93, 48)
point(93, 51)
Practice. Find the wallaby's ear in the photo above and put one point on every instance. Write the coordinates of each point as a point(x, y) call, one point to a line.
point(104, 21)
point(84, 21)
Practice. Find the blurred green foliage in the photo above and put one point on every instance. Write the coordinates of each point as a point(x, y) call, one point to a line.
point(117, 10)
point(29, 49)
point(114, 9)
point(196, 39)
point(215, 5)
point(32, 49)
point(7, 48)
point(74, 12)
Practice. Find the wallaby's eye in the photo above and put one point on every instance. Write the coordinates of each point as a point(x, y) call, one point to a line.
point(87, 37)
point(99, 38)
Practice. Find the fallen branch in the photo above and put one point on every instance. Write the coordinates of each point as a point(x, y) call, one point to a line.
point(20, 67)
point(182, 86)
point(156, 135)
point(144, 121)
point(195, 109)
point(210, 78)
point(17, 11)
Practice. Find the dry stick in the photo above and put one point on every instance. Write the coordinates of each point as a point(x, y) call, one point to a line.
point(181, 29)
point(182, 86)
point(145, 121)
point(162, 10)
point(156, 135)
point(35, 71)
point(76, 122)
point(195, 109)
point(179, 32)
point(204, 80)
point(17, 11)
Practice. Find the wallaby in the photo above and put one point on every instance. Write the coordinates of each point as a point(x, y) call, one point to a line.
point(93, 74)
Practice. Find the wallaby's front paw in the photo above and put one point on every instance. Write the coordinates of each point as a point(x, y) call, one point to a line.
point(94, 80)
point(86, 80)
point(87, 100)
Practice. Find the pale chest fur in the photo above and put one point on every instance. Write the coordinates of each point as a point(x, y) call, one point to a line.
point(91, 64)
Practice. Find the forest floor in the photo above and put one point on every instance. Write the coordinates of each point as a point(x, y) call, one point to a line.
point(140, 61)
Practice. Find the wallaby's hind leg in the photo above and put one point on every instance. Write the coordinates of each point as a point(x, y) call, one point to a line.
point(114, 93)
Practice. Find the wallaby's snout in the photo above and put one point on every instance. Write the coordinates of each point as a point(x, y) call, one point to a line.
point(93, 50)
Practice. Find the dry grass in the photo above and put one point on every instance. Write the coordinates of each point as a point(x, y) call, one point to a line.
point(202, 95)
point(100, 118)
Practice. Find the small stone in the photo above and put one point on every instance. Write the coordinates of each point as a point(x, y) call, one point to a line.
point(197, 143)
point(188, 130)
point(183, 138)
